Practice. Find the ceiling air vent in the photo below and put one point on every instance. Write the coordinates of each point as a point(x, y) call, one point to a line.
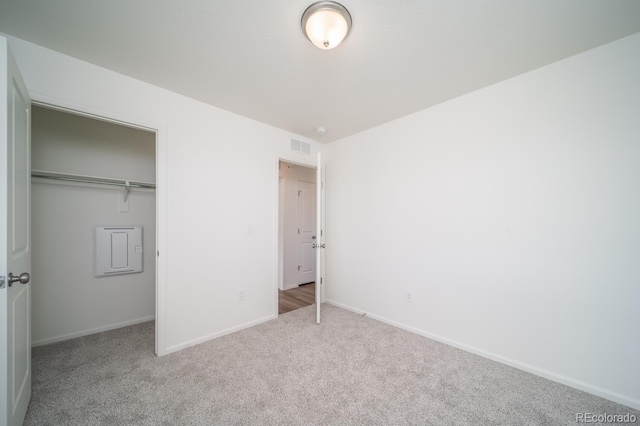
point(301, 147)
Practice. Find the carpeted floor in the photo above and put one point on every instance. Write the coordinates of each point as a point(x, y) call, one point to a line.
point(350, 370)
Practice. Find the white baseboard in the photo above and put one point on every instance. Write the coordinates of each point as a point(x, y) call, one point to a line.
point(577, 384)
point(212, 336)
point(81, 333)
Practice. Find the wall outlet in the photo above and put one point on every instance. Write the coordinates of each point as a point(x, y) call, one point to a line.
point(241, 294)
point(408, 296)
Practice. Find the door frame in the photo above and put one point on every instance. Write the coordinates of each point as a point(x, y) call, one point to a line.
point(278, 261)
point(161, 149)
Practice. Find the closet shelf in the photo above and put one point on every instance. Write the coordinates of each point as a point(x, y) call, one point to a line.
point(41, 174)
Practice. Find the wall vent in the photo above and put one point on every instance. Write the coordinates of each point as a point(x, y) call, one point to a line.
point(301, 147)
point(117, 250)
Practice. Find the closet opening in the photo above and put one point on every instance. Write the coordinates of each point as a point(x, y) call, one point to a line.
point(296, 236)
point(93, 222)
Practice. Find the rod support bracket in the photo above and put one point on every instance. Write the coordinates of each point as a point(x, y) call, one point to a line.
point(125, 191)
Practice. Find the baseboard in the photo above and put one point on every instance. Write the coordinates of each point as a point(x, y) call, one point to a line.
point(577, 384)
point(212, 336)
point(74, 335)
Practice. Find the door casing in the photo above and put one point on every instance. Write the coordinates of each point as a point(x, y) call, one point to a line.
point(161, 211)
point(278, 261)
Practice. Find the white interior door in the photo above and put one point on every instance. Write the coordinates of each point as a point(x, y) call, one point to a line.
point(306, 232)
point(15, 244)
point(319, 237)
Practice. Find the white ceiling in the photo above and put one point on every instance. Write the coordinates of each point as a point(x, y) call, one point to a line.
point(250, 56)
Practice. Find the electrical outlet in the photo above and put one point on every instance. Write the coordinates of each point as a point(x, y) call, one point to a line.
point(241, 294)
point(408, 296)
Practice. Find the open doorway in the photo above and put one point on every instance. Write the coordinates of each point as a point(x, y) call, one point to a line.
point(296, 236)
point(89, 173)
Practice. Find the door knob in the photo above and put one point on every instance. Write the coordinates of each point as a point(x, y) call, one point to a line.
point(23, 278)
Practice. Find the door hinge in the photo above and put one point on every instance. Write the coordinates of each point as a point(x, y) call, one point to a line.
point(299, 193)
point(321, 233)
point(299, 266)
point(298, 230)
point(320, 280)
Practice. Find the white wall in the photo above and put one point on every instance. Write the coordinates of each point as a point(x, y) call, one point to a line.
point(512, 214)
point(218, 172)
point(68, 143)
point(291, 174)
point(67, 301)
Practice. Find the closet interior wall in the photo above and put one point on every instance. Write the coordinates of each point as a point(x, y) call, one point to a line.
point(67, 300)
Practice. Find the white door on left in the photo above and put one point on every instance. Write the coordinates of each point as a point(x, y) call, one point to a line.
point(306, 232)
point(15, 241)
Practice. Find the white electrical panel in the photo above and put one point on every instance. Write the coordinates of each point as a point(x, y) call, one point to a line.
point(117, 250)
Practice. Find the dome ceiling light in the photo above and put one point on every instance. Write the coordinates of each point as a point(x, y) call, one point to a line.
point(326, 24)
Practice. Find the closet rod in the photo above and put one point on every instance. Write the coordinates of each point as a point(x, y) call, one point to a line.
point(91, 179)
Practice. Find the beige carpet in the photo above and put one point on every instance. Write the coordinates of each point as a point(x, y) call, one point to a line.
point(350, 370)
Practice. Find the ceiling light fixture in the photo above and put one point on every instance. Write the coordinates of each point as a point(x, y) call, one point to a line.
point(326, 24)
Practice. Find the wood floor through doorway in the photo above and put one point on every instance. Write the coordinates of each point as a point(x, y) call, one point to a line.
point(296, 298)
